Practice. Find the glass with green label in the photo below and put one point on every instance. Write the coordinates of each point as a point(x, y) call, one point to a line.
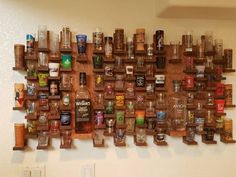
point(66, 61)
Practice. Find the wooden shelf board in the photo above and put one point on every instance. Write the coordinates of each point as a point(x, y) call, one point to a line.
point(210, 88)
point(82, 136)
point(31, 136)
point(191, 125)
point(193, 89)
point(140, 52)
point(228, 70)
point(160, 143)
point(118, 144)
point(159, 52)
point(54, 134)
point(150, 78)
point(150, 60)
point(148, 115)
point(19, 68)
point(219, 61)
point(219, 97)
point(31, 78)
point(119, 89)
point(53, 117)
point(98, 107)
point(43, 88)
point(228, 141)
point(176, 133)
point(161, 107)
point(160, 71)
point(200, 133)
point(65, 127)
point(101, 70)
point(109, 78)
point(66, 108)
point(210, 53)
point(230, 106)
point(190, 53)
point(189, 142)
point(65, 88)
point(220, 114)
point(43, 128)
point(19, 108)
point(108, 134)
point(109, 60)
point(102, 126)
point(201, 79)
point(200, 61)
point(65, 146)
point(43, 49)
point(129, 115)
point(54, 97)
point(31, 57)
point(150, 96)
point(219, 78)
point(140, 70)
point(209, 70)
point(128, 60)
point(175, 61)
point(190, 71)
point(99, 145)
point(16, 148)
point(44, 108)
point(119, 70)
point(191, 106)
point(140, 89)
point(99, 51)
point(150, 132)
point(209, 142)
point(119, 52)
point(65, 69)
point(120, 107)
point(43, 69)
point(82, 58)
point(54, 78)
point(54, 58)
point(42, 147)
point(107, 116)
point(109, 97)
point(210, 124)
point(130, 133)
point(29, 97)
point(31, 117)
point(128, 97)
point(130, 78)
point(65, 50)
point(121, 126)
point(209, 106)
point(161, 89)
point(138, 143)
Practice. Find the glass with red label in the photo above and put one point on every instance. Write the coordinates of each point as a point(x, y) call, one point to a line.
point(188, 82)
point(220, 89)
point(189, 63)
point(220, 104)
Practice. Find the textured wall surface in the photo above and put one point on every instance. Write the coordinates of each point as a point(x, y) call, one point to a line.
point(20, 17)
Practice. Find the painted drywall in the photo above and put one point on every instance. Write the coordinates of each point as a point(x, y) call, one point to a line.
point(20, 17)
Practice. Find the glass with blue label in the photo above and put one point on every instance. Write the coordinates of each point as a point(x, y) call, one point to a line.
point(161, 115)
point(81, 43)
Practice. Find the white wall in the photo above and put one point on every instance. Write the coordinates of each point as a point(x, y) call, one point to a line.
point(20, 17)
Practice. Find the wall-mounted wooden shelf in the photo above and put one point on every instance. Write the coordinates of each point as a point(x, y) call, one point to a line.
point(18, 108)
point(19, 68)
